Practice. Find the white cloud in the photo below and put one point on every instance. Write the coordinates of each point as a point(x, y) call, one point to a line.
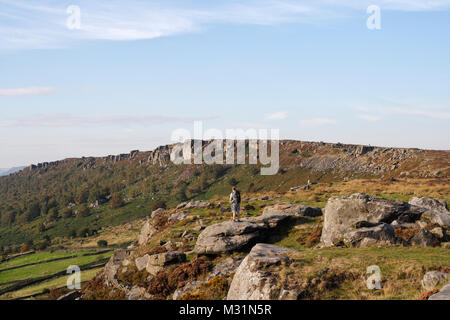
point(318, 122)
point(42, 24)
point(368, 117)
point(277, 116)
point(31, 91)
point(67, 120)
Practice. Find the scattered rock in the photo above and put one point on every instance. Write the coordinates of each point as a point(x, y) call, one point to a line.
point(252, 282)
point(438, 232)
point(179, 216)
point(198, 204)
point(434, 278)
point(225, 268)
point(429, 203)
point(137, 293)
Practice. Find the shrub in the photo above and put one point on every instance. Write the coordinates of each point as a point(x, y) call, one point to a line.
point(72, 233)
point(215, 289)
point(233, 182)
point(67, 213)
point(102, 243)
point(40, 228)
point(83, 211)
point(85, 232)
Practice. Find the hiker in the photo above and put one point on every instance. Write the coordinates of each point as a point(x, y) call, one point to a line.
point(235, 199)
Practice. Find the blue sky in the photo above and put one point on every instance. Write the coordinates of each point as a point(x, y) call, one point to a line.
point(134, 72)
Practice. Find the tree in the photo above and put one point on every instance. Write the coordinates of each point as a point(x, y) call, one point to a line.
point(116, 201)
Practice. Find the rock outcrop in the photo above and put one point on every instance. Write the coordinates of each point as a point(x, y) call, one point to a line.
point(293, 209)
point(436, 211)
point(252, 282)
point(229, 236)
point(351, 219)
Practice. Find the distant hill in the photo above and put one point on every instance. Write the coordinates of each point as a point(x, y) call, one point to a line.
point(8, 171)
point(54, 196)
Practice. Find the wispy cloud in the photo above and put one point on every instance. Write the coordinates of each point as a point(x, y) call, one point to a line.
point(67, 120)
point(318, 122)
point(30, 91)
point(277, 116)
point(368, 117)
point(42, 24)
point(414, 111)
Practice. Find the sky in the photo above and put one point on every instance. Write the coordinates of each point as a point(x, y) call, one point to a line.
point(135, 71)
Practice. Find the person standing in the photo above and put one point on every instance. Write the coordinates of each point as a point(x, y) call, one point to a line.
point(235, 199)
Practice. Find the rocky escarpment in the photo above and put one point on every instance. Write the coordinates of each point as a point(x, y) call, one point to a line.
point(361, 220)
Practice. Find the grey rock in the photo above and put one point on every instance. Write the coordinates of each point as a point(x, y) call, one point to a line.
point(112, 267)
point(441, 218)
point(147, 231)
point(341, 214)
point(252, 281)
point(444, 294)
point(429, 203)
point(228, 236)
point(179, 216)
point(424, 238)
point(434, 278)
point(141, 262)
point(382, 233)
point(158, 212)
point(293, 209)
point(225, 268)
point(438, 232)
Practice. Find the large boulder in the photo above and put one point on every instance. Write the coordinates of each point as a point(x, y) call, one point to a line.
point(424, 238)
point(293, 209)
point(444, 294)
point(432, 279)
point(252, 281)
point(228, 236)
point(436, 210)
point(343, 214)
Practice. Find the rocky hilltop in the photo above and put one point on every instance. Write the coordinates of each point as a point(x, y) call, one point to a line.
point(317, 156)
point(239, 260)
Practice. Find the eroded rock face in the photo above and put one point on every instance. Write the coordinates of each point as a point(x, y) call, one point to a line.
point(293, 209)
point(252, 282)
point(434, 278)
point(228, 236)
point(424, 238)
point(343, 214)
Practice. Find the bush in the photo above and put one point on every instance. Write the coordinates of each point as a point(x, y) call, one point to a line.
point(72, 234)
point(102, 243)
point(233, 182)
point(85, 232)
point(159, 204)
point(40, 228)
